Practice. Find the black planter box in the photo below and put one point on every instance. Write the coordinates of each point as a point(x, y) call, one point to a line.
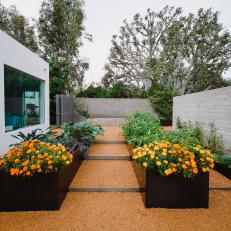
point(225, 171)
point(165, 122)
point(176, 191)
point(39, 192)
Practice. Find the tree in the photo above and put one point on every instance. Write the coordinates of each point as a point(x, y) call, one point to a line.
point(188, 53)
point(196, 53)
point(60, 28)
point(18, 27)
point(135, 52)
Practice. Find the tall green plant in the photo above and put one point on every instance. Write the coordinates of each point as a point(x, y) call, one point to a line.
point(162, 99)
point(141, 128)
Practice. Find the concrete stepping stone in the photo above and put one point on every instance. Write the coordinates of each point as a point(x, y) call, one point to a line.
point(101, 175)
point(108, 152)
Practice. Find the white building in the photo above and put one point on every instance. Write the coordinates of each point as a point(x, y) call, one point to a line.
point(24, 91)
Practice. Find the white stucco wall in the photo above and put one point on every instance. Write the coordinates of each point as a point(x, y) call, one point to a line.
point(16, 55)
point(206, 107)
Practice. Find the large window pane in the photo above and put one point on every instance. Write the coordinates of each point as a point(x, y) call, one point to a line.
point(24, 99)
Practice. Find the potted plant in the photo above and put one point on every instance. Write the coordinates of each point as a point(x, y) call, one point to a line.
point(34, 176)
point(176, 177)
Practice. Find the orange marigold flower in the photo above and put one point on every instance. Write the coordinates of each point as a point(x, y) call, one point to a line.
point(184, 166)
point(195, 170)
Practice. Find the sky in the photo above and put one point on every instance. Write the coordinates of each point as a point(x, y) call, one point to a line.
point(105, 17)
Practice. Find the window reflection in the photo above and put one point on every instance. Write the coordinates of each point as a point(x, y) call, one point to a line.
point(24, 101)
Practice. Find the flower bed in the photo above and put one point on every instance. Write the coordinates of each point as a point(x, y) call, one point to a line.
point(36, 176)
point(176, 170)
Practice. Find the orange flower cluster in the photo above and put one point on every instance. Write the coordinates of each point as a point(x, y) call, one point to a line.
point(167, 158)
point(34, 156)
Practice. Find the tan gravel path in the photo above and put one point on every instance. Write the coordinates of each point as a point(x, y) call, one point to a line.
point(105, 173)
point(112, 133)
point(116, 211)
point(217, 179)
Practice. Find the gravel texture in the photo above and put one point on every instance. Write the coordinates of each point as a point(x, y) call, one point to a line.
point(217, 179)
point(116, 211)
point(112, 133)
point(105, 173)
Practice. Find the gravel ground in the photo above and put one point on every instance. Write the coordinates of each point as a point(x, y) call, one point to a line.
point(105, 173)
point(121, 212)
point(111, 133)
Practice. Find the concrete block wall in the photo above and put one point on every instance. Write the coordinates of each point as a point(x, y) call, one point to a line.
point(206, 107)
point(113, 107)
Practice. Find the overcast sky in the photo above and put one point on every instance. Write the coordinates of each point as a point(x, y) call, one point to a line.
point(104, 18)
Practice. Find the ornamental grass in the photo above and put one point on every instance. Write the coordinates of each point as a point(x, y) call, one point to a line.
point(34, 156)
point(173, 159)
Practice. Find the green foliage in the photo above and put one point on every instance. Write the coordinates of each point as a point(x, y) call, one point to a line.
point(226, 160)
point(18, 27)
point(117, 90)
point(94, 92)
point(186, 134)
point(39, 134)
point(80, 135)
point(60, 32)
point(214, 141)
point(162, 99)
point(189, 53)
point(193, 133)
point(142, 127)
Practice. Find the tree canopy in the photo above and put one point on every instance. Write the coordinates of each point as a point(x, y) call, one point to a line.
point(18, 27)
point(188, 53)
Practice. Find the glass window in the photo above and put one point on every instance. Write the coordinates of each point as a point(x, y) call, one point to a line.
point(24, 99)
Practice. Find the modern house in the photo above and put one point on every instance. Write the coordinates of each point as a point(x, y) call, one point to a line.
point(24, 91)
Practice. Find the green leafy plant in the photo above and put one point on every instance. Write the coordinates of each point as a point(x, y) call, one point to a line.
point(39, 134)
point(188, 133)
point(162, 99)
point(80, 135)
point(214, 141)
point(142, 127)
point(226, 160)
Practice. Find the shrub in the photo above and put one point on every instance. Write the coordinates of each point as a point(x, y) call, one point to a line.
point(141, 128)
point(189, 134)
point(117, 90)
point(94, 92)
point(226, 160)
point(35, 156)
point(167, 159)
point(186, 134)
point(79, 135)
point(162, 100)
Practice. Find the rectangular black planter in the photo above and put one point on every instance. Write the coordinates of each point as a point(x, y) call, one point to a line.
point(165, 122)
point(224, 170)
point(176, 191)
point(39, 192)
